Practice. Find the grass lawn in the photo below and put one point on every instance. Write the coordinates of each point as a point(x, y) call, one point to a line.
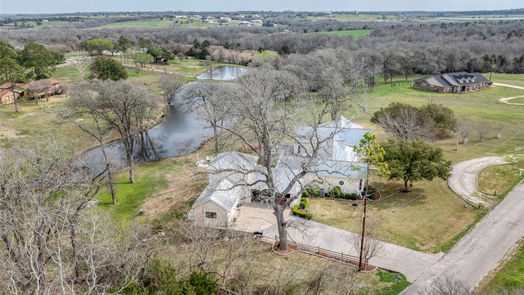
point(38, 122)
point(161, 189)
point(351, 34)
point(510, 275)
point(518, 100)
point(500, 180)
point(429, 218)
point(482, 105)
point(512, 79)
point(155, 23)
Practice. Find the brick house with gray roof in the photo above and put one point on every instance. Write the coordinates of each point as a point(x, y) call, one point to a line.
point(459, 82)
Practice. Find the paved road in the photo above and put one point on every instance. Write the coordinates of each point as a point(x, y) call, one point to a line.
point(463, 179)
point(508, 85)
point(409, 262)
point(481, 250)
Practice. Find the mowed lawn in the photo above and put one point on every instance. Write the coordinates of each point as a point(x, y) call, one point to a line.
point(482, 105)
point(156, 23)
point(430, 218)
point(510, 275)
point(500, 180)
point(351, 34)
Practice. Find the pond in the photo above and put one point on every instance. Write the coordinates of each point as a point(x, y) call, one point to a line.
point(182, 132)
point(223, 73)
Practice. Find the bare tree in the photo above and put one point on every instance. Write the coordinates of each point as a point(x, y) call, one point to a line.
point(83, 102)
point(211, 102)
point(128, 109)
point(170, 85)
point(82, 67)
point(369, 246)
point(483, 128)
point(447, 286)
point(262, 123)
point(464, 128)
point(405, 122)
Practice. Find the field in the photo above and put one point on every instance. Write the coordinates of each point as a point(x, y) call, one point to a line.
point(482, 105)
point(351, 34)
point(500, 180)
point(510, 275)
point(430, 218)
point(155, 23)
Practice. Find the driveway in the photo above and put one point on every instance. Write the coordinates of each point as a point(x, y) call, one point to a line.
point(481, 250)
point(463, 179)
point(409, 262)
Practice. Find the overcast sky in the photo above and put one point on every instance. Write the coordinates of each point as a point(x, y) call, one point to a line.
point(54, 6)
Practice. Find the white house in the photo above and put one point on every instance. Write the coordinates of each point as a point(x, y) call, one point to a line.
point(235, 178)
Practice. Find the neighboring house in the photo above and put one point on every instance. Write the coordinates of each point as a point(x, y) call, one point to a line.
point(459, 82)
point(44, 88)
point(10, 91)
point(235, 178)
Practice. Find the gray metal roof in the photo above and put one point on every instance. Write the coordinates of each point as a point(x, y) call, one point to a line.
point(224, 193)
point(233, 160)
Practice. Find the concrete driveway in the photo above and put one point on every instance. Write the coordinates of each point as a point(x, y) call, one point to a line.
point(409, 262)
point(463, 179)
point(481, 250)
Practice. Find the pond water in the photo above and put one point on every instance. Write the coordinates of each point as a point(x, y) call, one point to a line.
point(181, 133)
point(223, 73)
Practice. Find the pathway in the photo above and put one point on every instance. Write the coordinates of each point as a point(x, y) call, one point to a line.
point(463, 179)
point(507, 100)
point(409, 262)
point(481, 250)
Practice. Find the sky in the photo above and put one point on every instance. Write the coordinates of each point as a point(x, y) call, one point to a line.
point(58, 6)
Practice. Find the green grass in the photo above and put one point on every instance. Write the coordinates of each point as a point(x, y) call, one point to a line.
point(517, 100)
point(482, 105)
point(446, 246)
point(156, 23)
point(426, 219)
point(511, 275)
point(512, 79)
point(501, 179)
point(396, 285)
point(351, 34)
point(149, 179)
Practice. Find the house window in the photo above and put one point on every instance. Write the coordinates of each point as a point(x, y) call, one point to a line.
point(211, 215)
point(341, 182)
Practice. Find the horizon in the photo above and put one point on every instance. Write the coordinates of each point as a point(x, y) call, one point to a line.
point(373, 6)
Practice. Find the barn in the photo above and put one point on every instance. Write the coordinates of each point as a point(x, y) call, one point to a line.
point(459, 82)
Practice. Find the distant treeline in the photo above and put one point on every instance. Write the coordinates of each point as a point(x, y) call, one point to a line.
point(403, 48)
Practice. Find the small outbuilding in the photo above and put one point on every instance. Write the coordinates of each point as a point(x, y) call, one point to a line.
point(459, 82)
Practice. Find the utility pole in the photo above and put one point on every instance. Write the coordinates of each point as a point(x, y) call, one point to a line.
point(363, 222)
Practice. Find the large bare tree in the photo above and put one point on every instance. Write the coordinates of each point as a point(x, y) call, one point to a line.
point(128, 109)
point(210, 100)
point(263, 122)
point(47, 244)
point(83, 102)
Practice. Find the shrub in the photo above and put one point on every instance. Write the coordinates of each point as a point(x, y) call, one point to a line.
point(303, 203)
point(314, 191)
point(305, 194)
point(336, 192)
point(296, 211)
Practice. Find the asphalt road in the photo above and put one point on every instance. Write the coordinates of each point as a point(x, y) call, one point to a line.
point(481, 250)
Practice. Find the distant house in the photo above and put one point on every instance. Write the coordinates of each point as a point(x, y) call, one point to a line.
point(458, 82)
point(10, 91)
point(224, 20)
point(234, 178)
point(44, 88)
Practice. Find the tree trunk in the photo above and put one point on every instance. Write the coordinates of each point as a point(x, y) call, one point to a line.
point(281, 224)
point(131, 168)
point(215, 133)
point(406, 187)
